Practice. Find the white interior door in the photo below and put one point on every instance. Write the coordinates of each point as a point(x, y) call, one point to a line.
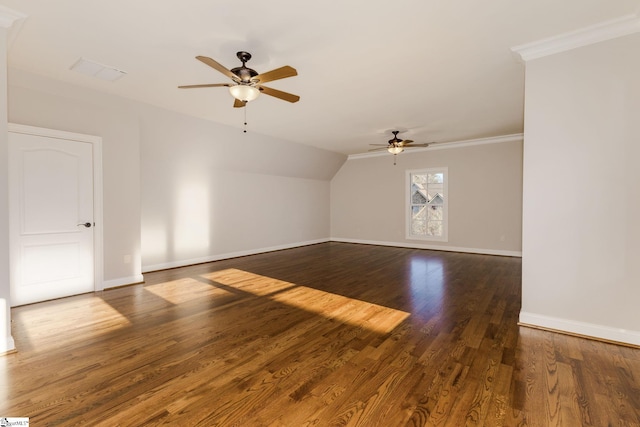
point(51, 217)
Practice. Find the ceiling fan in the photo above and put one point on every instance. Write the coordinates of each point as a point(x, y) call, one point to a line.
point(396, 145)
point(247, 83)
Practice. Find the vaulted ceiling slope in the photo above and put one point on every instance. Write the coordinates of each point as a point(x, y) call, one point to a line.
point(439, 70)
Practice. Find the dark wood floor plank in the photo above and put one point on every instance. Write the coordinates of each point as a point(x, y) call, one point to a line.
point(328, 334)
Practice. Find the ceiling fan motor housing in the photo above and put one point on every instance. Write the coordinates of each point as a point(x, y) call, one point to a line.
point(244, 73)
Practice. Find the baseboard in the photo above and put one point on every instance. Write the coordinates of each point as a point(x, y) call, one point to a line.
point(583, 329)
point(434, 247)
point(8, 346)
point(122, 281)
point(228, 255)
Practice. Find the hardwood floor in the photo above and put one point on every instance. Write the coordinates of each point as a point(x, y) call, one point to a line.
point(332, 334)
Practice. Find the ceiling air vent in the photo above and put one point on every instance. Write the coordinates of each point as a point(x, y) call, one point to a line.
point(95, 69)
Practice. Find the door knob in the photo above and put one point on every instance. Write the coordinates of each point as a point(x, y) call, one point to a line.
point(86, 224)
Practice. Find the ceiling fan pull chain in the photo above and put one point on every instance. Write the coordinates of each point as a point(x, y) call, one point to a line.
point(245, 117)
point(394, 159)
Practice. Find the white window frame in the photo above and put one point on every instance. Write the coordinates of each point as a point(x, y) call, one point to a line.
point(445, 213)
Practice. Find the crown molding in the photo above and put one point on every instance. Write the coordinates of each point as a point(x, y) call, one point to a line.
point(11, 20)
point(516, 137)
point(603, 31)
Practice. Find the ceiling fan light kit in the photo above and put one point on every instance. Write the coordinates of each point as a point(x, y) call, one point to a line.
point(395, 149)
point(244, 93)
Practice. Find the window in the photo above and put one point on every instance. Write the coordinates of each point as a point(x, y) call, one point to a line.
point(427, 204)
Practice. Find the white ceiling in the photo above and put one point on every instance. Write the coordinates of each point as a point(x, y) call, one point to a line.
point(440, 70)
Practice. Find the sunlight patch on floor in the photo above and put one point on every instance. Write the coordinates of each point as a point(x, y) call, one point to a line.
point(248, 282)
point(355, 312)
point(184, 290)
point(87, 316)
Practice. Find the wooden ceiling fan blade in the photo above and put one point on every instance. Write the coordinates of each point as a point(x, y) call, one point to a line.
point(279, 94)
point(406, 141)
point(238, 104)
point(216, 66)
point(277, 74)
point(410, 144)
point(378, 149)
point(205, 85)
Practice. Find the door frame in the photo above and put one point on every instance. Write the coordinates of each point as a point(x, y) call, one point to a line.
point(96, 142)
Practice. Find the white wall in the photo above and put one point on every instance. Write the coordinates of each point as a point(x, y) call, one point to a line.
point(581, 226)
point(211, 191)
point(368, 199)
point(180, 190)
